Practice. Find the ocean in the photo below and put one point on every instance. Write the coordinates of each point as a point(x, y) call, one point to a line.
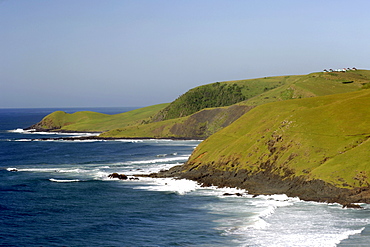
point(58, 193)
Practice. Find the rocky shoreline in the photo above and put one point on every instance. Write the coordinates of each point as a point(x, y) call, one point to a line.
point(262, 183)
point(266, 183)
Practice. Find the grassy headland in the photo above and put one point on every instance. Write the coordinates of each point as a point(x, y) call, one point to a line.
point(315, 148)
point(302, 135)
point(319, 138)
point(87, 121)
point(206, 109)
point(210, 117)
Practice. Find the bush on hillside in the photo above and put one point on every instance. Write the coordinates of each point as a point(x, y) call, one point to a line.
point(207, 96)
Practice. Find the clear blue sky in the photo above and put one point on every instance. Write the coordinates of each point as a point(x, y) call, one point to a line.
point(88, 53)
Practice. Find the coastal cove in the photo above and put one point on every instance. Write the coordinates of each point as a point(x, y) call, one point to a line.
point(61, 196)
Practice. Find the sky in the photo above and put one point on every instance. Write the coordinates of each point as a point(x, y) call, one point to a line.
point(121, 53)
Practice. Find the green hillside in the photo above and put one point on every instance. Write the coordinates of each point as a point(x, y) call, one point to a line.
point(87, 121)
point(302, 135)
point(258, 91)
point(311, 85)
point(263, 90)
point(218, 94)
point(324, 138)
point(207, 96)
point(204, 110)
point(199, 125)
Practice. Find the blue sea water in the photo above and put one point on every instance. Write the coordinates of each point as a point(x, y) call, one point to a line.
point(57, 193)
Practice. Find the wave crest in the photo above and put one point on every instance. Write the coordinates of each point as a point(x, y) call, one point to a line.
point(64, 180)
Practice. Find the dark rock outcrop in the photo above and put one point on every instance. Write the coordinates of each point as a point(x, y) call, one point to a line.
point(119, 176)
point(267, 183)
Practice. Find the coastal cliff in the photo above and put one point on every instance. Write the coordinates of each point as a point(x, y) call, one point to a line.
point(315, 148)
point(304, 135)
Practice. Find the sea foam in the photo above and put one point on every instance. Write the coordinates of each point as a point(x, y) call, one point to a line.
point(64, 180)
point(292, 222)
point(33, 131)
point(275, 220)
point(18, 131)
point(159, 160)
point(179, 186)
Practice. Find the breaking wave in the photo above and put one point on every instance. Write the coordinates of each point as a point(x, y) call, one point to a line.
point(33, 131)
point(64, 180)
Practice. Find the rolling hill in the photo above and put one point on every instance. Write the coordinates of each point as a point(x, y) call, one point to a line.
point(206, 109)
point(207, 121)
point(87, 121)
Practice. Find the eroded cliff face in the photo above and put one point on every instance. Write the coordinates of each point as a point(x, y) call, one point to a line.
point(207, 122)
point(199, 125)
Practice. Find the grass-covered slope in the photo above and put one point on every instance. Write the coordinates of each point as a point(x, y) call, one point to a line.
point(259, 91)
point(87, 121)
point(204, 110)
point(218, 94)
point(325, 138)
point(199, 125)
point(263, 90)
point(312, 85)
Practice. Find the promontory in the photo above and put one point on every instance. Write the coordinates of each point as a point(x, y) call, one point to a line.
point(301, 135)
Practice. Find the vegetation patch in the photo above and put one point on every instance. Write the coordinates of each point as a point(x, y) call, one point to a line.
point(207, 96)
